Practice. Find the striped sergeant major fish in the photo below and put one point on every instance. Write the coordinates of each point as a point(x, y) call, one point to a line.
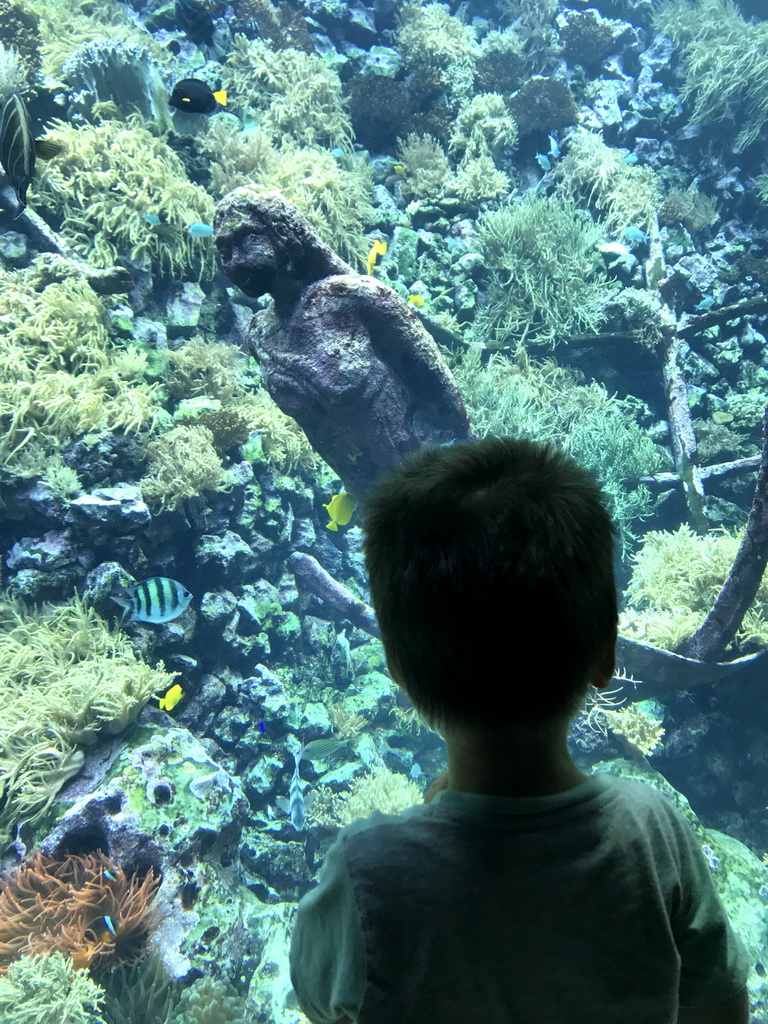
point(157, 599)
point(18, 148)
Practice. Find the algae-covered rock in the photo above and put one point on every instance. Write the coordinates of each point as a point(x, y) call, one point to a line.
point(155, 798)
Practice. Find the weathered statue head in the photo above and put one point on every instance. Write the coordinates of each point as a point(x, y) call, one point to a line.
point(267, 247)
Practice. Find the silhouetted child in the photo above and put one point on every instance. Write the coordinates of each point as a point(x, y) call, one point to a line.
point(525, 892)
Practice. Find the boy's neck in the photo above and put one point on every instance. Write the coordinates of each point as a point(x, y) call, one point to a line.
point(533, 763)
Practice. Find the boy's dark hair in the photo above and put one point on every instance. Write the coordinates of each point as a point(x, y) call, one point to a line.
point(491, 572)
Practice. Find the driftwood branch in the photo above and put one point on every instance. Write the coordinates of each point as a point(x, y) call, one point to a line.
point(312, 577)
point(738, 592)
point(719, 471)
point(685, 447)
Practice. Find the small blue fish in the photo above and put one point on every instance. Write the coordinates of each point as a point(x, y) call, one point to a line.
point(109, 876)
point(447, 444)
point(157, 599)
point(262, 728)
point(200, 230)
point(636, 235)
point(706, 303)
point(554, 149)
point(630, 158)
point(337, 151)
point(543, 161)
point(152, 219)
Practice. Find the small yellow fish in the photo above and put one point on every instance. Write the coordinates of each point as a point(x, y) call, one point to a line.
point(721, 416)
point(398, 168)
point(340, 509)
point(172, 698)
point(377, 249)
point(416, 300)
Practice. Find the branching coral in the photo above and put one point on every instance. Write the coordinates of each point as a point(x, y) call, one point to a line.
point(624, 195)
point(65, 676)
point(377, 790)
point(690, 207)
point(333, 195)
point(427, 168)
point(49, 905)
point(289, 94)
point(182, 463)
point(108, 178)
point(38, 989)
point(725, 63)
point(675, 581)
point(13, 73)
point(431, 39)
point(546, 278)
point(548, 402)
point(483, 124)
point(60, 376)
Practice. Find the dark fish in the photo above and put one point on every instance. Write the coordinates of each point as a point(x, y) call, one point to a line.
point(195, 20)
point(158, 599)
point(17, 146)
point(196, 97)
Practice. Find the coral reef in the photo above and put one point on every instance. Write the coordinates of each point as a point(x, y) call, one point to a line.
point(676, 578)
point(108, 179)
point(38, 988)
point(182, 463)
point(61, 376)
point(546, 281)
point(67, 677)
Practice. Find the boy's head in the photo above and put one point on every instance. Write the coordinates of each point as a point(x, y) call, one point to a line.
point(491, 571)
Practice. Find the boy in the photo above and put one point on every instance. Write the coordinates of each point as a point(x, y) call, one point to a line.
point(524, 892)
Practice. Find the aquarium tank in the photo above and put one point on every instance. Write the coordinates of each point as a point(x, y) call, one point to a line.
point(253, 253)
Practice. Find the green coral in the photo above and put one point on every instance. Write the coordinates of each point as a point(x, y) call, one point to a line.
point(378, 790)
point(478, 180)
point(439, 47)
point(61, 375)
point(623, 195)
point(428, 172)
point(210, 1001)
point(545, 401)
point(65, 677)
point(105, 182)
point(725, 64)
point(482, 125)
point(38, 990)
point(289, 94)
point(547, 280)
point(333, 195)
point(182, 463)
point(676, 578)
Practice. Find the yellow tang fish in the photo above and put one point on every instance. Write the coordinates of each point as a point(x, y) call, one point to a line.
point(340, 509)
point(377, 249)
point(172, 698)
point(416, 300)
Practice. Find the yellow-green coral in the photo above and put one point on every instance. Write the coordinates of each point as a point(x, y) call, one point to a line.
point(39, 989)
point(435, 42)
point(107, 179)
point(333, 195)
point(65, 677)
point(288, 94)
point(60, 375)
point(675, 581)
point(624, 195)
point(182, 463)
point(377, 790)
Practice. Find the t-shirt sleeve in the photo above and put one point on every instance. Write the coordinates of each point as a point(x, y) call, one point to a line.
point(714, 963)
point(327, 957)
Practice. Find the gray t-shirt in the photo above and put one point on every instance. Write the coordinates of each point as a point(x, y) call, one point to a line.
point(592, 906)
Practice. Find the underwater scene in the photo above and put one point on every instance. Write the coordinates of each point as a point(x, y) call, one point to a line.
point(252, 253)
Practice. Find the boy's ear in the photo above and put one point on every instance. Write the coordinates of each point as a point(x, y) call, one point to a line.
point(604, 666)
